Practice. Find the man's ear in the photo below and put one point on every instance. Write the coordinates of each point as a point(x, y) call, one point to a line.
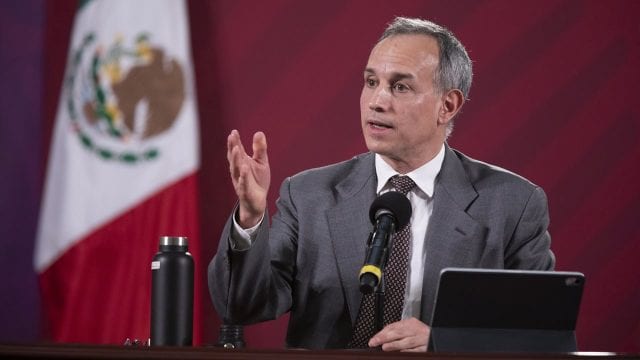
point(452, 101)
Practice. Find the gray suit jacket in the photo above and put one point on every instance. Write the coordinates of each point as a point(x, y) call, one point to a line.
point(307, 262)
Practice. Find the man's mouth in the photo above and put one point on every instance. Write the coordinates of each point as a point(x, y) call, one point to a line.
point(379, 124)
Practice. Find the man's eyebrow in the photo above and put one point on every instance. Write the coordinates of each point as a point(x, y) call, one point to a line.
point(395, 76)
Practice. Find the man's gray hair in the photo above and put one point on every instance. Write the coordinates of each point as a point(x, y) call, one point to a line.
point(454, 66)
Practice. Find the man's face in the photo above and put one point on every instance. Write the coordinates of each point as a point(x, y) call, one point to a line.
point(399, 104)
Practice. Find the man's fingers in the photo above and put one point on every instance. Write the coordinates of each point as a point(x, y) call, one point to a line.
point(233, 141)
point(235, 162)
point(386, 335)
point(242, 181)
point(410, 343)
point(392, 331)
point(404, 335)
point(422, 348)
point(260, 147)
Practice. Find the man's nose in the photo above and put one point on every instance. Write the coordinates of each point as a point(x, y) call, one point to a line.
point(380, 99)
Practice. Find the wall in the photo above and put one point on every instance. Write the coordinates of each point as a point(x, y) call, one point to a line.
point(553, 99)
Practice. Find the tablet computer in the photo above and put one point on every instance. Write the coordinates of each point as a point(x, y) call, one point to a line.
point(506, 310)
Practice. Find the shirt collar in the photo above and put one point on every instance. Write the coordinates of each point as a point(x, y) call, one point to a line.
point(424, 176)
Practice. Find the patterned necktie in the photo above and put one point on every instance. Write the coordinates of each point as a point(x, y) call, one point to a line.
point(395, 279)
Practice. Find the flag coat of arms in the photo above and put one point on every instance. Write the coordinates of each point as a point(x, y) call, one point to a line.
point(121, 171)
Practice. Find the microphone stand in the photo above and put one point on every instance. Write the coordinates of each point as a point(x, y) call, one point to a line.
point(387, 211)
point(379, 305)
point(379, 292)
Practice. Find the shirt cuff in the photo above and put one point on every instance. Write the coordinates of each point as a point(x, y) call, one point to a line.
point(241, 239)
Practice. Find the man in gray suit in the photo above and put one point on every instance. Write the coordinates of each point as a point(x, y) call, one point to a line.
point(465, 213)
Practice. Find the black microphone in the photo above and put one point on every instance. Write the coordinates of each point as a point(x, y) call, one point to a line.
point(389, 212)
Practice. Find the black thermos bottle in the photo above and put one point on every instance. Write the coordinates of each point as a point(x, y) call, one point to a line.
point(172, 293)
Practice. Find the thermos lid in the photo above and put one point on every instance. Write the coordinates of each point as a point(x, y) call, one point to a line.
point(173, 241)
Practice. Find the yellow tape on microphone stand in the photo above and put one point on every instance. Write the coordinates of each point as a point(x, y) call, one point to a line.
point(371, 269)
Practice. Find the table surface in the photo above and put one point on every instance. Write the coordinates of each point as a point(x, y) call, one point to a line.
point(84, 351)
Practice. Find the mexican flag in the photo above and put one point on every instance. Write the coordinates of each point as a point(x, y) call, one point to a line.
point(121, 171)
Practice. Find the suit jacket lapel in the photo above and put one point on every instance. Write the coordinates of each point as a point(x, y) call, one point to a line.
point(453, 238)
point(349, 227)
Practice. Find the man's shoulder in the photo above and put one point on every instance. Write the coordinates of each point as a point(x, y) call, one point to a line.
point(350, 173)
point(485, 175)
point(338, 169)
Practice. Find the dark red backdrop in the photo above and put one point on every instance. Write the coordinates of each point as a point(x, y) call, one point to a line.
point(554, 98)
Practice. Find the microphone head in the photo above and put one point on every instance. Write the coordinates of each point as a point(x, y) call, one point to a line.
point(394, 202)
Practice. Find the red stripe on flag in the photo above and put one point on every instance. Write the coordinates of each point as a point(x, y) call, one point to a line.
point(99, 290)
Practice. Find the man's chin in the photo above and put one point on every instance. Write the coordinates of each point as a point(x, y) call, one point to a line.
point(377, 147)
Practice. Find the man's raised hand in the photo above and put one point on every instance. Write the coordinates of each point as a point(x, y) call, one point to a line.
point(251, 177)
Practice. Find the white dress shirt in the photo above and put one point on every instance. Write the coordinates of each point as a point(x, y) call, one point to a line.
point(421, 198)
